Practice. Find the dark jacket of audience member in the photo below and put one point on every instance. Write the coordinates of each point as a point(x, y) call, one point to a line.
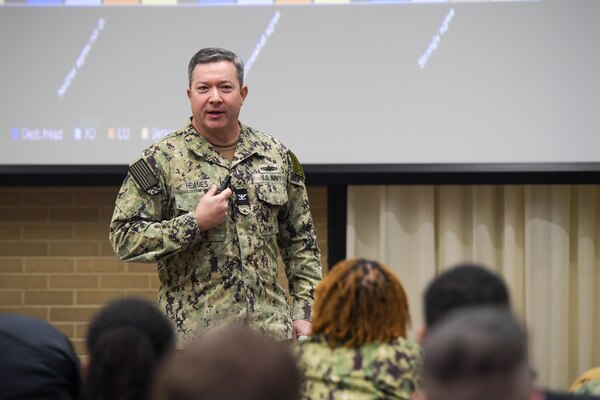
point(231, 363)
point(127, 340)
point(37, 361)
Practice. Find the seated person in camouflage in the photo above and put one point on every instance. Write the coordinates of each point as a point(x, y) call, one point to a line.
point(359, 347)
point(217, 251)
point(588, 383)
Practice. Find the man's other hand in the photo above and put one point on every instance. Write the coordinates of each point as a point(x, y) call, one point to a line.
point(301, 328)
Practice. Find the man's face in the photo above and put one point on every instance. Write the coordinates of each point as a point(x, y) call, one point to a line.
point(216, 98)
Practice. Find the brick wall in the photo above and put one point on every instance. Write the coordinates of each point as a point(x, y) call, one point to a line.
point(56, 262)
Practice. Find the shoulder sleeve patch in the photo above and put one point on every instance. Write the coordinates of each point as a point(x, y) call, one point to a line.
point(296, 167)
point(145, 177)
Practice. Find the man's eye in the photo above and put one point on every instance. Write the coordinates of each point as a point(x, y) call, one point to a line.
point(227, 88)
point(202, 89)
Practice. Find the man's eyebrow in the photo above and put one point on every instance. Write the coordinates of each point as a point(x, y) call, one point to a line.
point(220, 82)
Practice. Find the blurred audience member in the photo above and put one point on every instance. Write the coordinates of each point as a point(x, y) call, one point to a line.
point(232, 362)
point(467, 286)
point(127, 340)
point(37, 361)
point(477, 353)
point(588, 383)
point(359, 347)
point(461, 286)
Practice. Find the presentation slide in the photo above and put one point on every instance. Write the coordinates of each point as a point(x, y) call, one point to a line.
point(86, 82)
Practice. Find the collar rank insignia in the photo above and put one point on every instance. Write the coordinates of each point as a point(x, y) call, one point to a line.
point(241, 197)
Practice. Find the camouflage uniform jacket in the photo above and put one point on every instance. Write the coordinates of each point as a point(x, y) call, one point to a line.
point(588, 383)
point(589, 387)
point(373, 371)
point(229, 272)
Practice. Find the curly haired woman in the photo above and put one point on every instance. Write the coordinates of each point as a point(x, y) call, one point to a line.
point(359, 347)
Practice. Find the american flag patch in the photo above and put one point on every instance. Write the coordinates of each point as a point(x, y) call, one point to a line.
point(145, 178)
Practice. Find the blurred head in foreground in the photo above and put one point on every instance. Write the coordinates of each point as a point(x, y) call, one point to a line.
point(232, 362)
point(127, 340)
point(477, 353)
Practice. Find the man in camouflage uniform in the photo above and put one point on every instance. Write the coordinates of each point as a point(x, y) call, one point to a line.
point(589, 387)
point(217, 250)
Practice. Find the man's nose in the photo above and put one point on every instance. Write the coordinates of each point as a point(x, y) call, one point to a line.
point(215, 97)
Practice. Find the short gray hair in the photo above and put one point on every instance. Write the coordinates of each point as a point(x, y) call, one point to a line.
point(214, 54)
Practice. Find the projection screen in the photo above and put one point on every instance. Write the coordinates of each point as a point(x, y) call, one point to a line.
point(340, 83)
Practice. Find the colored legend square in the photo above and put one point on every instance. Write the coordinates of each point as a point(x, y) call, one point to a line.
point(216, 1)
point(255, 2)
point(14, 133)
point(121, 2)
point(83, 2)
point(145, 133)
point(332, 1)
point(293, 1)
point(111, 133)
point(159, 2)
point(44, 2)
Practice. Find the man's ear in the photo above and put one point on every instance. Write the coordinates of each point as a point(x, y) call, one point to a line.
point(420, 335)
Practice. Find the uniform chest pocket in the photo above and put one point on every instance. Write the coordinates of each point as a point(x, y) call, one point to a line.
point(272, 196)
point(186, 202)
point(272, 193)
